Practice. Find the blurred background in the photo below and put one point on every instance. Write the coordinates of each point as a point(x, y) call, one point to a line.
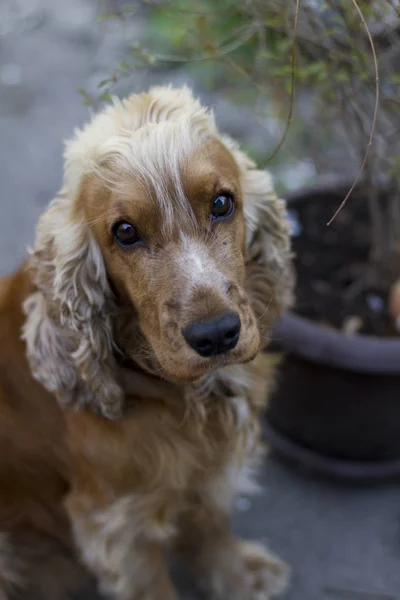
point(309, 89)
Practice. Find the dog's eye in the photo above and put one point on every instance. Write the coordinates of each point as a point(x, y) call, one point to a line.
point(223, 206)
point(126, 234)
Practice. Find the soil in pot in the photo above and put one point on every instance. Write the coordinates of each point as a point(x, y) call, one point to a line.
point(330, 262)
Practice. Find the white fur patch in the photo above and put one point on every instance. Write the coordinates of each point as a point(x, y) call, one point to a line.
point(111, 543)
point(242, 411)
point(198, 267)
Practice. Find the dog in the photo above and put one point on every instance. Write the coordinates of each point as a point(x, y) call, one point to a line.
point(131, 377)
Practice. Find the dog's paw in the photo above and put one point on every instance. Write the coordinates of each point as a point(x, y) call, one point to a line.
point(246, 571)
point(267, 576)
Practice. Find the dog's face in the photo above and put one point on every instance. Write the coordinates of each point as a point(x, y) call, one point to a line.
point(167, 243)
point(173, 242)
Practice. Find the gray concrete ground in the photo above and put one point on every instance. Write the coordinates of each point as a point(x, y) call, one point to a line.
point(342, 542)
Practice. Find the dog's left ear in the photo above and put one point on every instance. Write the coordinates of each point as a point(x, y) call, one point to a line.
point(269, 271)
point(68, 329)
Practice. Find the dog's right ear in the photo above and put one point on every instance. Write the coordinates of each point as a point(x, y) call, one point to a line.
point(68, 328)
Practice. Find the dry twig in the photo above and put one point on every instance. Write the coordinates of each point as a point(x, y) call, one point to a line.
point(292, 79)
point(375, 114)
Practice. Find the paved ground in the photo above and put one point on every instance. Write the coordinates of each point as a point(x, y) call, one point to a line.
point(342, 542)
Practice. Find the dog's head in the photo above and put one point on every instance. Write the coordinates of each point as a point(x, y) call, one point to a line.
point(168, 247)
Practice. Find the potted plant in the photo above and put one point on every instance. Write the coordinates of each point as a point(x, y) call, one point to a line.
point(329, 74)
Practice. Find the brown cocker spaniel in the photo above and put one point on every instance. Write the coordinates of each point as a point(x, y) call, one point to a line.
point(130, 380)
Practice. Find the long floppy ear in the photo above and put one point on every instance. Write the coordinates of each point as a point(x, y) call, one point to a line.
point(269, 271)
point(68, 328)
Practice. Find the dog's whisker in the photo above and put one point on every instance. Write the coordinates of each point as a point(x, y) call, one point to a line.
point(265, 310)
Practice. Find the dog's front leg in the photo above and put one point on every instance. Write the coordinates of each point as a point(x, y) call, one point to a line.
point(229, 568)
point(118, 545)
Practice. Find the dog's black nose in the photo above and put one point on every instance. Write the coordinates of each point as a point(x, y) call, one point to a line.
point(210, 337)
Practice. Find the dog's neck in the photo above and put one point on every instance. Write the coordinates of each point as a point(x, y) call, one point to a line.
point(224, 382)
point(135, 381)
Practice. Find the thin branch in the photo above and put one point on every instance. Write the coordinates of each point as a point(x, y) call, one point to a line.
point(218, 52)
point(372, 131)
point(292, 79)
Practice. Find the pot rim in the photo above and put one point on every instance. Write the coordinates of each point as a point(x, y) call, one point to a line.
point(337, 468)
point(315, 343)
point(319, 344)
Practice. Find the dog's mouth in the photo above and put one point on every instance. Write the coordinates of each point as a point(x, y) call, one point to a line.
point(193, 366)
point(198, 368)
point(189, 370)
point(198, 349)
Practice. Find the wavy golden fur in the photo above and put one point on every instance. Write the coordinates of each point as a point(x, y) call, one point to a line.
point(150, 440)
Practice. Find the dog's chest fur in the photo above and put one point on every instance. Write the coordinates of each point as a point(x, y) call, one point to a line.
point(165, 455)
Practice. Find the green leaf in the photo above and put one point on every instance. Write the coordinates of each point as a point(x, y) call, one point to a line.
point(103, 83)
point(124, 66)
point(106, 97)
point(87, 98)
point(151, 59)
point(130, 8)
point(108, 16)
point(342, 76)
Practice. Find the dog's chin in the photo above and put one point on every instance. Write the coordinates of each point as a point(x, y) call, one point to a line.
point(192, 368)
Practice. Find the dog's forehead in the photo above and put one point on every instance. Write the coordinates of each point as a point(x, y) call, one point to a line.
point(174, 180)
point(187, 190)
point(211, 170)
point(162, 180)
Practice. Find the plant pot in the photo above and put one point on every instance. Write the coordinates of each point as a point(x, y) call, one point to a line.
point(336, 408)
